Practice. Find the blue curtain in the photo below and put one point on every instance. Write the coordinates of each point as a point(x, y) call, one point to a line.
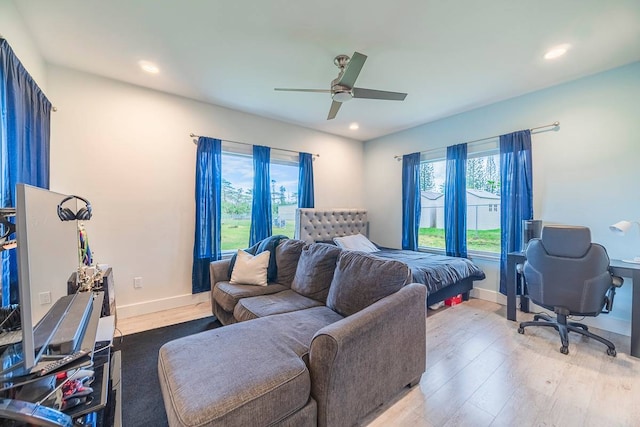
point(455, 201)
point(25, 117)
point(305, 181)
point(206, 246)
point(410, 200)
point(261, 203)
point(516, 194)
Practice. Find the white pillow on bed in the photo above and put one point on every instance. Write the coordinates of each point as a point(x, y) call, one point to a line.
point(356, 242)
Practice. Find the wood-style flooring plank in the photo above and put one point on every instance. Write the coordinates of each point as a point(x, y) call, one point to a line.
point(131, 325)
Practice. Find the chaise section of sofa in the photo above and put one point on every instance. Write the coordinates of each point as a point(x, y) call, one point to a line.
point(309, 367)
point(249, 373)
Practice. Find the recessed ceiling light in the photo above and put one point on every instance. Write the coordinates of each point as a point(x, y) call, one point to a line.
point(557, 51)
point(149, 67)
point(354, 126)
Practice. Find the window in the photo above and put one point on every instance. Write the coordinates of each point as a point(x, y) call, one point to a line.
point(483, 203)
point(432, 176)
point(284, 196)
point(237, 188)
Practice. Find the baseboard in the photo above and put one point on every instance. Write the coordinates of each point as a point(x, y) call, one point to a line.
point(487, 295)
point(604, 322)
point(146, 307)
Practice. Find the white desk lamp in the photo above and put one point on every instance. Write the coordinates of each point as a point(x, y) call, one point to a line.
point(620, 228)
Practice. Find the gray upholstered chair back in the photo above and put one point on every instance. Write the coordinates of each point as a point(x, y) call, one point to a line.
point(564, 269)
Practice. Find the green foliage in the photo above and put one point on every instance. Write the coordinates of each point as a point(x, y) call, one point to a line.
point(483, 174)
point(426, 176)
point(235, 201)
point(476, 176)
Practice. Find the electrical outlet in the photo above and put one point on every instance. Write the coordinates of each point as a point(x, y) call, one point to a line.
point(45, 298)
point(137, 282)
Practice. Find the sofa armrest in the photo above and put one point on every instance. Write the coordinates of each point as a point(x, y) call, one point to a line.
point(361, 361)
point(219, 271)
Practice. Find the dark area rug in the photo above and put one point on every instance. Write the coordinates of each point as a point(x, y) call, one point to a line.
point(142, 403)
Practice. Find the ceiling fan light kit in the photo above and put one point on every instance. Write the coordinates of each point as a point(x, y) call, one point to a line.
point(342, 87)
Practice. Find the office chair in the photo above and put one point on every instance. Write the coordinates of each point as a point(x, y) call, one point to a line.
point(568, 274)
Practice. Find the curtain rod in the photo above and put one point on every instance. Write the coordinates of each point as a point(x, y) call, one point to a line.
point(53, 108)
point(195, 141)
point(554, 125)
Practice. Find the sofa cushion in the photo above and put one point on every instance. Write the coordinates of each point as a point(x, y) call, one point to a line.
point(267, 305)
point(287, 256)
point(315, 271)
point(250, 269)
point(252, 373)
point(361, 279)
point(227, 294)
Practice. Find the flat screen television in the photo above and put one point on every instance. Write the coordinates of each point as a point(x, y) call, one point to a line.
point(47, 255)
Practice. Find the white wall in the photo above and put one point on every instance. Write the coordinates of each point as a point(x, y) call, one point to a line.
point(13, 29)
point(585, 173)
point(128, 150)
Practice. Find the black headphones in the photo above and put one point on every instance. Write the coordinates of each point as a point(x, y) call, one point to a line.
point(67, 214)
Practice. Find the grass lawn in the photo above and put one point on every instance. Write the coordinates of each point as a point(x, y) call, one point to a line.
point(235, 233)
point(480, 240)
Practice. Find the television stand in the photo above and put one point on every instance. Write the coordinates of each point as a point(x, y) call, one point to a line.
point(101, 409)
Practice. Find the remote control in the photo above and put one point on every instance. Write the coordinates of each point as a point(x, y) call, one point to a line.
point(57, 364)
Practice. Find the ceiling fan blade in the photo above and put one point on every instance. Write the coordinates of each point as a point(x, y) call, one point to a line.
point(335, 106)
point(353, 69)
point(303, 90)
point(359, 92)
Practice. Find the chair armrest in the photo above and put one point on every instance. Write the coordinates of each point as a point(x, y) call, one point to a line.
point(219, 271)
point(361, 361)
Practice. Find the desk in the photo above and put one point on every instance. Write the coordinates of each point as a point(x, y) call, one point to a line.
point(617, 267)
point(626, 269)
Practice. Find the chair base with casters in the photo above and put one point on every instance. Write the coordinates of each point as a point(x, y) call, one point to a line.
point(563, 327)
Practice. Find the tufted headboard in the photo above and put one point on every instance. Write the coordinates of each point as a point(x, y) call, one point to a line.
point(318, 225)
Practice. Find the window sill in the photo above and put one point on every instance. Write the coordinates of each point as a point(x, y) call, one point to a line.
point(488, 256)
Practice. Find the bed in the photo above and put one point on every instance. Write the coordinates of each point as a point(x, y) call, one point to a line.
point(443, 276)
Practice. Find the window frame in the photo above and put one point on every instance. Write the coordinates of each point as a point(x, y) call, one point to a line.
point(281, 157)
point(232, 150)
point(483, 149)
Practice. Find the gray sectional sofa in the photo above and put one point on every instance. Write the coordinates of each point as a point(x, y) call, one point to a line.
point(333, 337)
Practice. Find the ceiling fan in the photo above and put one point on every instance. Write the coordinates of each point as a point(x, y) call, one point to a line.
point(342, 87)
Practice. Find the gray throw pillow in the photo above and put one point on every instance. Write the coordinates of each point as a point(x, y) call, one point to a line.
point(315, 271)
point(287, 256)
point(361, 279)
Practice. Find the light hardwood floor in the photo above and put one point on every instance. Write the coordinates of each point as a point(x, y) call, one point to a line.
point(481, 372)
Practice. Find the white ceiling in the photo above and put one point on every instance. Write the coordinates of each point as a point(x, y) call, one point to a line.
point(449, 56)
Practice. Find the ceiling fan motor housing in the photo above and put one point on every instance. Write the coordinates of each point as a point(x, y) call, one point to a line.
point(340, 93)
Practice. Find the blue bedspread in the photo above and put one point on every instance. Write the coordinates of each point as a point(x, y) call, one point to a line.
point(435, 271)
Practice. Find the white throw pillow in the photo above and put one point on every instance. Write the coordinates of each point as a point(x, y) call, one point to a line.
point(356, 242)
point(249, 269)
